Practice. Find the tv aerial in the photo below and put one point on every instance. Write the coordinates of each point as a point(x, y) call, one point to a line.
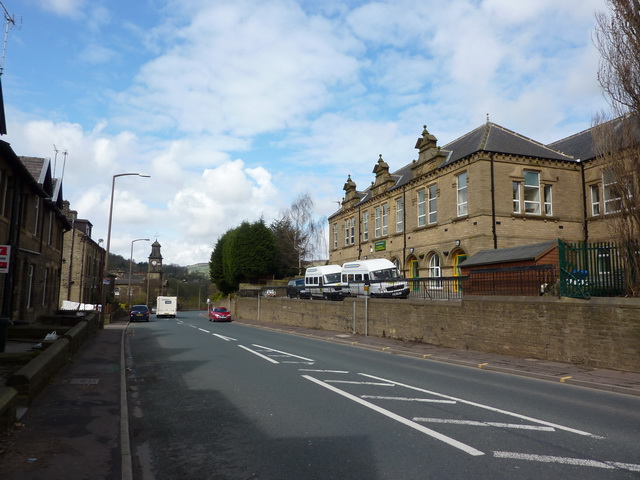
point(10, 23)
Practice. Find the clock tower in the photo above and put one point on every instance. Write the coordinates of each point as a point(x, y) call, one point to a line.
point(154, 273)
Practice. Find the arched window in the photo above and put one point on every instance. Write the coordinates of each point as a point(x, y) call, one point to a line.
point(434, 266)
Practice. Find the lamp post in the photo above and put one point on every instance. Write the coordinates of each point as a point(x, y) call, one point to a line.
point(106, 260)
point(130, 267)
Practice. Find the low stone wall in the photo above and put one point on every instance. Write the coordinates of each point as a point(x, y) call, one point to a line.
point(600, 332)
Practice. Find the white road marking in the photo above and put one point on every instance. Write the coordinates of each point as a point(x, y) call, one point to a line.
point(582, 462)
point(203, 330)
point(485, 424)
point(226, 339)
point(288, 354)
point(486, 407)
point(259, 354)
point(321, 371)
point(408, 399)
point(421, 428)
point(352, 382)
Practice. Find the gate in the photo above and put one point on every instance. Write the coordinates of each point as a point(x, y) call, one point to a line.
point(590, 269)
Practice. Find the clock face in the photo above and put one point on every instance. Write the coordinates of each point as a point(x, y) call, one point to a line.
point(154, 263)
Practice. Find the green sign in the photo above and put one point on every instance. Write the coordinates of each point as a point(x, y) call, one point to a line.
point(381, 245)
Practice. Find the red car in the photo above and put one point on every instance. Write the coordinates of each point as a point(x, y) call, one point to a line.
point(219, 314)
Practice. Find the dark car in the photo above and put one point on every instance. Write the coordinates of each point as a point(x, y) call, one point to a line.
point(295, 289)
point(139, 312)
point(219, 314)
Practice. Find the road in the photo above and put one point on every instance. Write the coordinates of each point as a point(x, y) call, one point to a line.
point(229, 401)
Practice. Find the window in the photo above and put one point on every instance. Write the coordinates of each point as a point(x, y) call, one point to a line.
point(377, 220)
point(50, 236)
point(399, 215)
point(433, 210)
point(595, 200)
point(434, 272)
point(422, 209)
point(610, 193)
point(434, 266)
point(30, 274)
point(365, 226)
point(352, 232)
point(349, 231)
point(461, 185)
point(37, 215)
point(385, 219)
point(346, 232)
point(532, 192)
point(548, 204)
point(335, 235)
point(516, 196)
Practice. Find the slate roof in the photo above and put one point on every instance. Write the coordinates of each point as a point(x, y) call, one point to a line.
point(579, 146)
point(489, 137)
point(511, 254)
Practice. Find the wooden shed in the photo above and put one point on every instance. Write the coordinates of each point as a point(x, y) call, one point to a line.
point(524, 270)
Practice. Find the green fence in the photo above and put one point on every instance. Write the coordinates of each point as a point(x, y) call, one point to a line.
point(590, 269)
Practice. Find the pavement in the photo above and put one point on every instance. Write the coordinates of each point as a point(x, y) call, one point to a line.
point(77, 428)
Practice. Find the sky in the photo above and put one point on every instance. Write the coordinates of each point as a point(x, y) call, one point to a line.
point(236, 108)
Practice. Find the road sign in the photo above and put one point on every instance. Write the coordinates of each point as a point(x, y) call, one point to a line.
point(5, 258)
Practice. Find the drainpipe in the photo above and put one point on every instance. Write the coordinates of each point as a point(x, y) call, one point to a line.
point(585, 224)
point(404, 231)
point(493, 205)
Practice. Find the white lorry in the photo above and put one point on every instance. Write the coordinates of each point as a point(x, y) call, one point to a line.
point(324, 282)
point(377, 277)
point(167, 307)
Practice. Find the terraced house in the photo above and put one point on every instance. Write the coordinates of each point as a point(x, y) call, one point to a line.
point(31, 236)
point(491, 188)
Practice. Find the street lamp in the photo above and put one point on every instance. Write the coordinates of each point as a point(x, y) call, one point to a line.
point(130, 265)
point(106, 261)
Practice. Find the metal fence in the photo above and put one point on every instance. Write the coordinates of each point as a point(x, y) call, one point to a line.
point(440, 288)
point(590, 269)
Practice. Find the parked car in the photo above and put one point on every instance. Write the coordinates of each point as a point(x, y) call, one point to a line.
point(139, 312)
point(295, 288)
point(219, 314)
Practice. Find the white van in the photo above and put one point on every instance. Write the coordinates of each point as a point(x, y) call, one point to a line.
point(167, 307)
point(379, 274)
point(324, 282)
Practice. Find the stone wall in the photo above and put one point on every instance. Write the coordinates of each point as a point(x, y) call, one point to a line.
point(600, 333)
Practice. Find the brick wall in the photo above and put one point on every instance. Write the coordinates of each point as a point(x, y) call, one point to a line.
point(600, 333)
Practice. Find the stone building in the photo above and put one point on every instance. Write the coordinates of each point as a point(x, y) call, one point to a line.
point(491, 188)
point(32, 226)
point(82, 262)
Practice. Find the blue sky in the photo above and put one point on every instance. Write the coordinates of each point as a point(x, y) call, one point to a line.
point(237, 107)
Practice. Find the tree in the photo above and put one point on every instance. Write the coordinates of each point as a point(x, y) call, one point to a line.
point(245, 253)
point(617, 142)
point(299, 234)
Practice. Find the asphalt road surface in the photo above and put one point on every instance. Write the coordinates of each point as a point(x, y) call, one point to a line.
point(228, 401)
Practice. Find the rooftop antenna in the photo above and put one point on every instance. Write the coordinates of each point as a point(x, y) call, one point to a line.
point(55, 159)
point(9, 23)
point(64, 163)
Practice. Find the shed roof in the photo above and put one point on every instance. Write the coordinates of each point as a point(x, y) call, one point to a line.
point(511, 254)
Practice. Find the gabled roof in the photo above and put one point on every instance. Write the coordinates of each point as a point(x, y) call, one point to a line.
point(512, 254)
point(40, 169)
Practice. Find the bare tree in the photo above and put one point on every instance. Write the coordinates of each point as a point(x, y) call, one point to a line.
point(304, 233)
point(617, 140)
